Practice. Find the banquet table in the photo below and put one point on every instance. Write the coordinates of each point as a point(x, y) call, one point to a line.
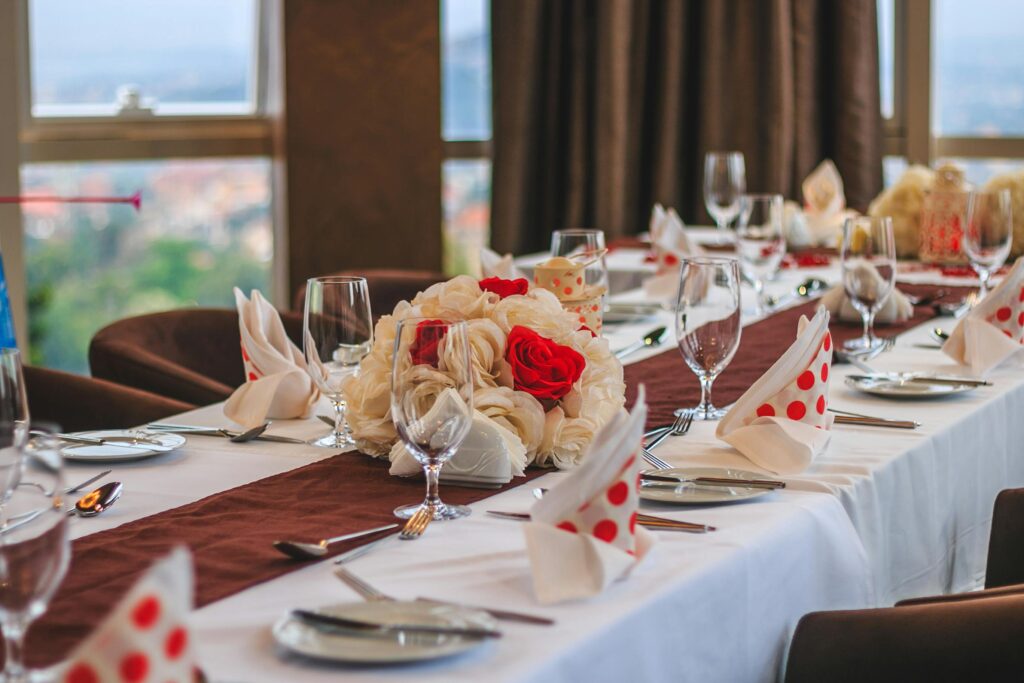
point(882, 515)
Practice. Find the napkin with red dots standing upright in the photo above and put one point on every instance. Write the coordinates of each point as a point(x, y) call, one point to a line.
point(583, 533)
point(146, 636)
point(782, 422)
point(670, 244)
point(992, 333)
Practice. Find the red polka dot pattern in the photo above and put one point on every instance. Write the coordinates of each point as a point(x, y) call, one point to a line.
point(618, 493)
point(606, 530)
point(134, 668)
point(146, 612)
point(806, 380)
point(1003, 314)
point(177, 641)
point(1009, 317)
point(796, 410)
point(765, 410)
point(569, 526)
point(81, 673)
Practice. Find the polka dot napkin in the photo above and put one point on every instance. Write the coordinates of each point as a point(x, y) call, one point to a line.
point(583, 534)
point(277, 385)
point(670, 245)
point(146, 637)
point(782, 422)
point(992, 333)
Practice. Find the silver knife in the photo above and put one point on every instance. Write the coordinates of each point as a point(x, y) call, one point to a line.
point(714, 481)
point(214, 431)
point(317, 620)
point(496, 613)
point(925, 379)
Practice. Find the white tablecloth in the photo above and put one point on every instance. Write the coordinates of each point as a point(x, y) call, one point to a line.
point(884, 514)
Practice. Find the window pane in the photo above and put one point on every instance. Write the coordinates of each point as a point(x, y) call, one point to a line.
point(204, 226)
point(466, 69)
point(892, 169)
point(184, 56)
point(467, 213)
point(886, 50)
point(979, 68)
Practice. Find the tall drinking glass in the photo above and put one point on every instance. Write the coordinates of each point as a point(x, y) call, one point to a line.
point(337, 333)
point(988, 233)
point(34, 550)
point(724, 181)
point(760, 242)
point(432, 400)
point(584, 244)
point(868, 256)
point(14, 420)
point(708, 322)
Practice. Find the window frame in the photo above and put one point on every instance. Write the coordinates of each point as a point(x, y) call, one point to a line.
point(909, 133)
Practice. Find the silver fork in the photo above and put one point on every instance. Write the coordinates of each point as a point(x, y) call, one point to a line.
point(364, 589)
point(416, 525)
point(653, 460)
point(679, 427)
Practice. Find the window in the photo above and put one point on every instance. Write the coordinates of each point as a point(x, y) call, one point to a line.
point(466, 130)
point(165, 97)
point(957, 73)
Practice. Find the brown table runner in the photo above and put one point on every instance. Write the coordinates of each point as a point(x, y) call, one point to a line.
point(230, 533)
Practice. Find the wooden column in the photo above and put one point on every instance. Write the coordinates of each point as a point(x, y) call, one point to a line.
point(361, 135)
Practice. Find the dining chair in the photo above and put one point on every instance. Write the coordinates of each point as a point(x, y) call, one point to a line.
point(387, 287)
point(958, 637)
point(189, 354)
point(74, 402)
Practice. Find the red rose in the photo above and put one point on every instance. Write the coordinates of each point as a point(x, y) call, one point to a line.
point(504, 288)
point(540, 367)
point(429, 334)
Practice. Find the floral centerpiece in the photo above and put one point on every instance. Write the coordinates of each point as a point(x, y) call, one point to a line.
point(537, 373)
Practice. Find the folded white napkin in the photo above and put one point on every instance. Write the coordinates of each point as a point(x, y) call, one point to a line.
point(782, 422)
point(670, 244)
point(897, 306)
point(583, 534)
point(277, 384)
point(992, 333)
point(493, 264)
point(824, 204)
point(146, 636)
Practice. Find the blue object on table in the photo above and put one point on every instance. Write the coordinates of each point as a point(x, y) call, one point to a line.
point(7, 338)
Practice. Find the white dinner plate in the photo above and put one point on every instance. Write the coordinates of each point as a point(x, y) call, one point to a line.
point(694, 494)
point(897, 386)
point(356, 648)
point(116, 453)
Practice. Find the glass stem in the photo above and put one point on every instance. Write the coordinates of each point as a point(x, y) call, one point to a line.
point(340, 428)
point(869, 325)
point(705, 394)
point(432, 470)
point(758, 296)
point(983, 277)
point(14, 642)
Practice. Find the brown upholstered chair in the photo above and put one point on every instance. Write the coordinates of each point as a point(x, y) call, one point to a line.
point(75, 403)
point(387, 287)
point(191, 354)
point(964, 637)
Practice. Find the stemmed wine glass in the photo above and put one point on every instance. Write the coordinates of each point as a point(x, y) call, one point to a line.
point(34, 549)
point(708, 322)
point(583, 244)
point(337, 330)
point(988, 233)
point(760, 242)
point(868, 255)
point(432, 400)
point(724, 181)
point(14, 420)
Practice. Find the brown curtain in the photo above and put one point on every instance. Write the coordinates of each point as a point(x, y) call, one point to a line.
point(603, 108)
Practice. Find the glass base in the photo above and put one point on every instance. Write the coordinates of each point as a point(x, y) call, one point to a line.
point(710, 413)
point(441, 512)
point(332, 440)
point(863, 344)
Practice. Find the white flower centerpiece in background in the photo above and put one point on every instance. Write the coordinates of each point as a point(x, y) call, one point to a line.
point(546, 384)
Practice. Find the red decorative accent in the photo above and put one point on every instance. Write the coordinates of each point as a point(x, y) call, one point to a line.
point(618, 493)
point(606, 530)
point(505, 288)
point(632, 523)
point(253, 377)
point(796, 410)
point(585, 328)
point(82, 673)
point(824, 372)
point(429, 334)
point(540, 367)
point(821, 405)
point(806, 380)
point(765, 410)
point(1003, 314)
point(134, 668)
point(827, 343)
point(568, 526)
point(146, 612)
point(177, 641)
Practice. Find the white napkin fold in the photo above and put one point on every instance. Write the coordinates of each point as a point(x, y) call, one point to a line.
point(897, 306)
point(670, 244)
point(782, 422)
point(993, 331)
point(824, 203)
point(583, 534)
point(146, 636)
point(493, 264)
point(277, 384)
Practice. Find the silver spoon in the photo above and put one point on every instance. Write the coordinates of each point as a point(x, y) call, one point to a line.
point(939, 335)
point(804, 290)
point(98, 500)
point(247, 435)
point(652, 338)
point(308, 551)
